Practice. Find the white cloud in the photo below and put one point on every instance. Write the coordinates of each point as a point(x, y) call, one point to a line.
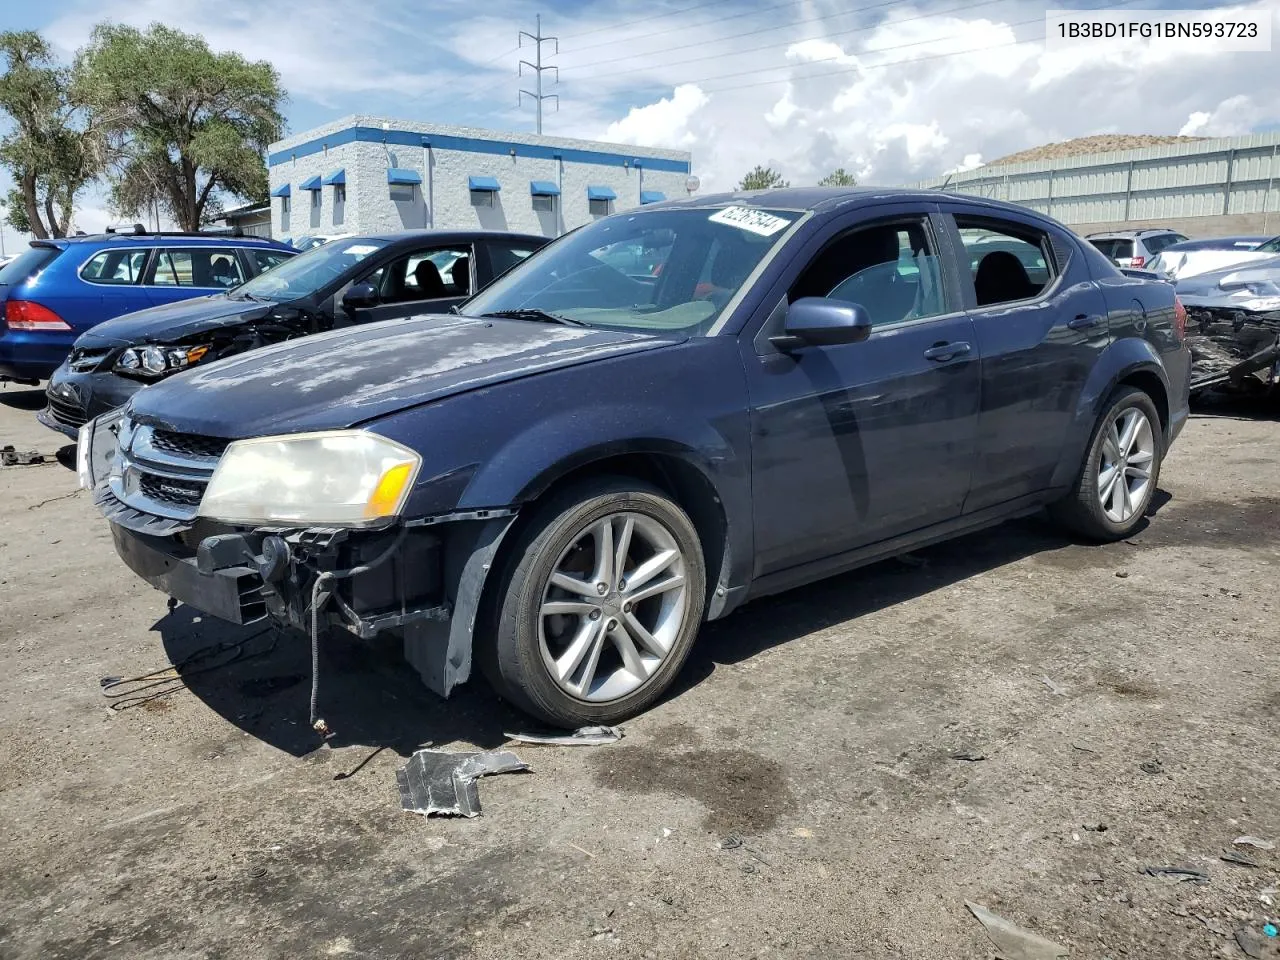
point(664, 123)
point(1232, 117)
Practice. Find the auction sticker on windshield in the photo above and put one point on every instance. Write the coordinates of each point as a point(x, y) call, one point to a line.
point(753, 221)
point(360, 249)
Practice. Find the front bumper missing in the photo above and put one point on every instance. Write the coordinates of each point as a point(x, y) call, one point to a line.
point(1230, 345)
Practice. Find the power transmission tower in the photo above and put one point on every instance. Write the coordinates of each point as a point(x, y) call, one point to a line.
point(537, 68)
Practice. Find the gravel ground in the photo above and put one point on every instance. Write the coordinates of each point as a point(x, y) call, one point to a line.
point(1125, 699)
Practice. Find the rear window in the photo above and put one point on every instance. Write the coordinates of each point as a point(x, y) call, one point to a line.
point(1116, 248)
point(32, 260)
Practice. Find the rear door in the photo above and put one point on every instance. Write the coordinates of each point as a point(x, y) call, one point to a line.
point(180, 273)
point(1040, 324)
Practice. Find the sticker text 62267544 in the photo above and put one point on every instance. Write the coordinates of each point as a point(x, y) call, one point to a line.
point(753, 221)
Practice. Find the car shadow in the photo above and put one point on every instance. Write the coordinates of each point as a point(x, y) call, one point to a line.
point(772, 621)
point(369, 695)
point(259, 680)
point(1240, 406)
point(24, 398)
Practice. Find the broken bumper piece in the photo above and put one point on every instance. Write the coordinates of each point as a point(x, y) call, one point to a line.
point(444, 784)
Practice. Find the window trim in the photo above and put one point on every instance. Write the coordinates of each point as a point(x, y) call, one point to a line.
point(995, 221)
point(146, 264)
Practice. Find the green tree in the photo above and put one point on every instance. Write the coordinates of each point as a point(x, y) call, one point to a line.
point(838, 178)
point(49, 154)
point(181, 124)
point(762, 178)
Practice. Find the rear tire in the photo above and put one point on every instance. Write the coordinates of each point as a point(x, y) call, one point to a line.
point(569, 639)
point(1120, 473)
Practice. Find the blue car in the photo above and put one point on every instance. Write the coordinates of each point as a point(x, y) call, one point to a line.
point(562, 481)
point(57, 289)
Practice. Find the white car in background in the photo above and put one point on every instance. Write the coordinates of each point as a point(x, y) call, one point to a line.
point(316, 239)
point(1195, 257)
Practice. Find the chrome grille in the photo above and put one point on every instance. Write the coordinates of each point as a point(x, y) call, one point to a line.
point(164, 473)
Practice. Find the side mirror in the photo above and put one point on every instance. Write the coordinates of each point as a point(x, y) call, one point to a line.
point(819, 322)
point(360, 295)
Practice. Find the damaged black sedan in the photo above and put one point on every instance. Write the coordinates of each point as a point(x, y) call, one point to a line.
point(563, 482)
point(351, 280)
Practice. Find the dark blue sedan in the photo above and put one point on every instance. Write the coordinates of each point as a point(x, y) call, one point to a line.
point(648, 423)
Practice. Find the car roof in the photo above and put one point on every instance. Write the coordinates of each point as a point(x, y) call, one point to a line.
point(1128, 234)
point(446, 236)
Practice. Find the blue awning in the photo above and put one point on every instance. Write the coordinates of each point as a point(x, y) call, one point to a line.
point(335, 177)
point(652, 196)
point(543, 188)
point(311, 183)
point(403, 175)
point(484, 183)
point(601, 193)
point(281, 191)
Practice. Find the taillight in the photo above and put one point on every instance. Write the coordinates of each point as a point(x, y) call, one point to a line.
point(1179, 319)
point(1137, 262)
point(29, 315)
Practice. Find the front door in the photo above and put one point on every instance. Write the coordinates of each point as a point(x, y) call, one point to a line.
point(426, 280)
point(1040, 324)
point(860, 442)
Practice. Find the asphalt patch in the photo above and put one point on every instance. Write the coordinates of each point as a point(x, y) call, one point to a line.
point(742, 792)
point(1253, 522)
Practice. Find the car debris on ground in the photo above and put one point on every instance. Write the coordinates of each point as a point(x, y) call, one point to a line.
point(1011, 941)
point(1184, 874)
point(1257, 842)
point(436, 782)
point(582, 737)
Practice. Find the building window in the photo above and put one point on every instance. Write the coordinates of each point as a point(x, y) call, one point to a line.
point(284, 205)
point(315, 199)
point(600, 208)
point(339, 193)
point(483, 198)
point(402, 192)
point(544, 203)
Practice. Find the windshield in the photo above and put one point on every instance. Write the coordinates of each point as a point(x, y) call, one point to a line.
point(1271, 246)
point(306, 273)
point(657, 271)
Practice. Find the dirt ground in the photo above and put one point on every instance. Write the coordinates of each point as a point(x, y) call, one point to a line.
point(1126, 699)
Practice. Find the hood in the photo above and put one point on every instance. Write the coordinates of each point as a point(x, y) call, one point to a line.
point(1190, 263)
point(172, 321)
point(346, 377)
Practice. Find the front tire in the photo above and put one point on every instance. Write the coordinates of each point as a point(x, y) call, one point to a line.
point(1120, 472)
point(597, 606)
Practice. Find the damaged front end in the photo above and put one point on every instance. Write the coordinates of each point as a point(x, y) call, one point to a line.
point(419, 577)
point(1233, 326)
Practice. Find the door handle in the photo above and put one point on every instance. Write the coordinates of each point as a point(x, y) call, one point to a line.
point(946, 351)
point(1084, 321)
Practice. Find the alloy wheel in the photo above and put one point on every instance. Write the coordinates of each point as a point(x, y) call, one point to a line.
point(613, 607)
point(1124, 469)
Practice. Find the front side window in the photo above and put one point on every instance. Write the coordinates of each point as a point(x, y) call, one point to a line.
point(891, 270)
point(503, 257)
point(196, 268)
point(707, 256)
point(308, 272)
point(1007, 261)
point(115, 267)
point(429, 274)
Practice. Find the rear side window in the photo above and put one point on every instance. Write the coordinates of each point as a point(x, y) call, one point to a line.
point(503, 257)
point(1158, 243)
point(196, 268)
point(266, 259)
point(30, 261)
point(115, 266)
point(1008, 261)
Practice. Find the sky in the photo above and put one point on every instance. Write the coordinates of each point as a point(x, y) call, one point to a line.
point(891, 90)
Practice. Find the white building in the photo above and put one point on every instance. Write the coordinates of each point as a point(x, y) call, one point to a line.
point(368, 174)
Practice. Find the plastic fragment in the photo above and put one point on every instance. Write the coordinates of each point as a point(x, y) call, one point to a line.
point(434, 782)
point(1012, 942)
point(582, 737)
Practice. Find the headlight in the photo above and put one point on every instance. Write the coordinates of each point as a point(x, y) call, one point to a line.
point(347, 477)
point(157, 361)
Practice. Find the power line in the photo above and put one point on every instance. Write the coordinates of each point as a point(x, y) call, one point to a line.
point(786, 43)
point(652, 16)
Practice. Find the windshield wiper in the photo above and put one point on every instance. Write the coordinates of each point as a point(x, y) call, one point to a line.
point(540, 316)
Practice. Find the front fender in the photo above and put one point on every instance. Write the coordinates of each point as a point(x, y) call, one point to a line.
point(1120, 360)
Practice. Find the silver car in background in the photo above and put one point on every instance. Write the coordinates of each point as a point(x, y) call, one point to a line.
point(1134, 249)
point(1201, 256)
